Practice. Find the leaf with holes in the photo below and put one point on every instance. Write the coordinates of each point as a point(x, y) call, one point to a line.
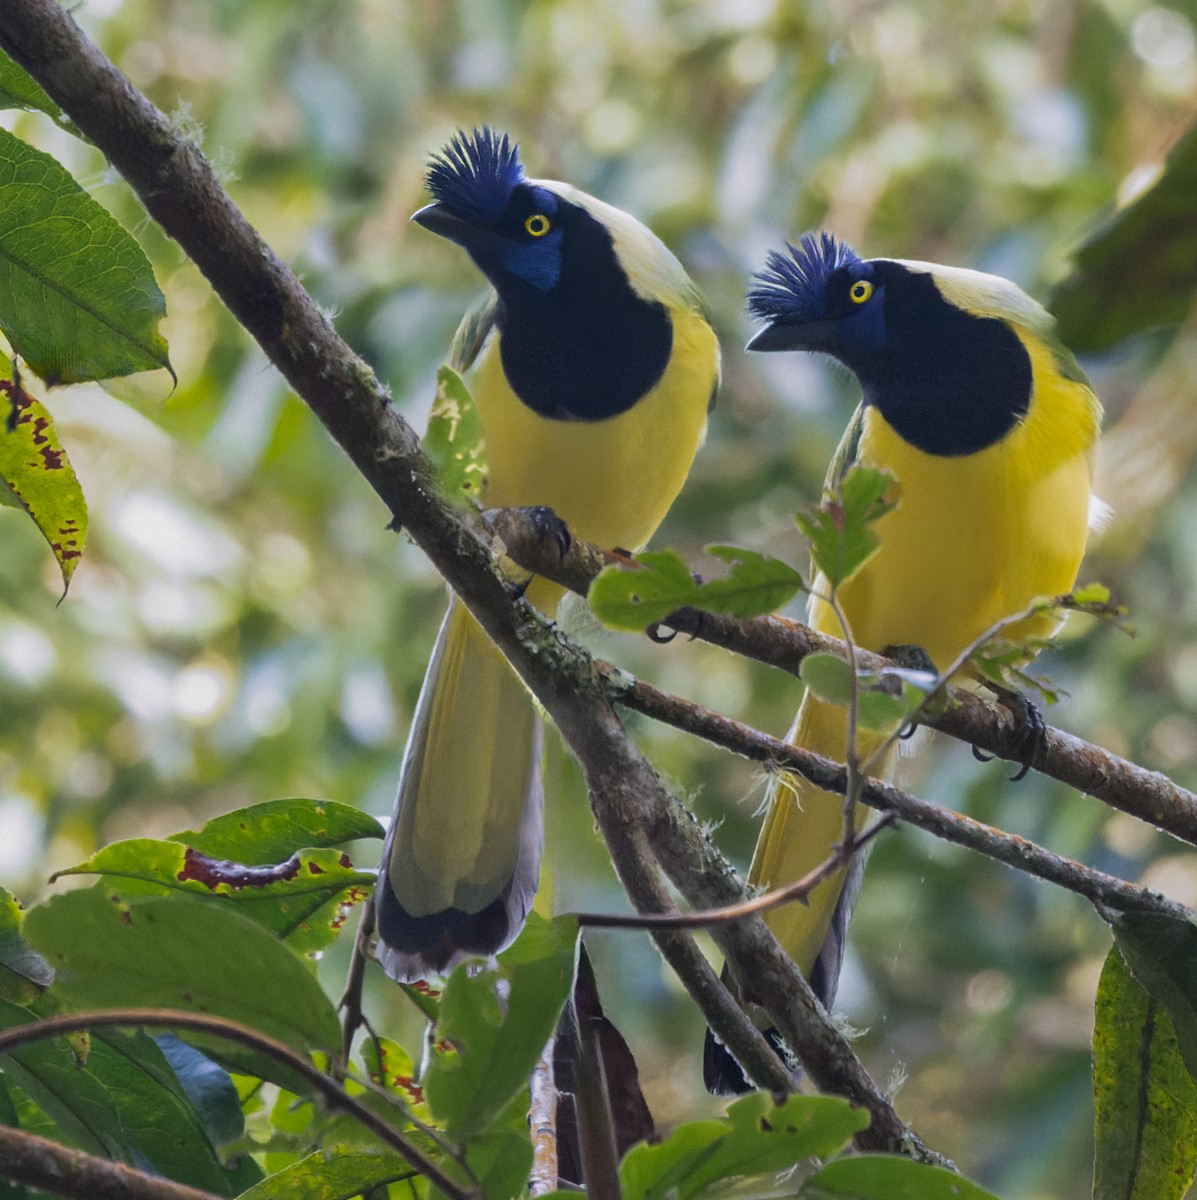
point(78, 300)
point(454, 439)
point(633, 598)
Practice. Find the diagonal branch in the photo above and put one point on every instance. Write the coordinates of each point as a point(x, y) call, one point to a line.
point(50, 1167)
point(782, 643)
point(177, 185)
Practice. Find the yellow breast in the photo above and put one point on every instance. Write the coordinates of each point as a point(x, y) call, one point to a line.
point(611, 481)
point(979, 537)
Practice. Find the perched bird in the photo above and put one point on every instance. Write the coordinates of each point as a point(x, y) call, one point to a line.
point(988, 425)
point(593, 367)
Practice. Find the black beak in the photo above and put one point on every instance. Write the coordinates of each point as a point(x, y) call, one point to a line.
point(805, 335)
point(438, 219)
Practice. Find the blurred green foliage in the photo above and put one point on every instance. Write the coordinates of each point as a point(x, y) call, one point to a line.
point(244, 628)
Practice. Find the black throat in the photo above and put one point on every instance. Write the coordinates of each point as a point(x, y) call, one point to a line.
point(589, 348)
point(948, 381)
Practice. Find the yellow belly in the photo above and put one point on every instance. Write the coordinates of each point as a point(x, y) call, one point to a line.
point(611, 481)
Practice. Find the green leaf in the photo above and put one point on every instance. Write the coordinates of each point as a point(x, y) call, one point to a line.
point(78, 300)
point(24, 974)
point(661, 583)
point(828, 677)
point(18, 89)
point(1145, 1099)
point(500, 1157)
point(840, 530)
point(114, 951)
point(390, 1066)
point(157, 1117)
point(881, 712)
point(890, 1177)
point(756, 1138)
point(635, 598)
point(454, 439)
point(881, 704)
point(303, 900)
point(1136, 272)
point(37, 473)
point(208, 1086)
point(499, 1021)
point(54, 1079)
point(331, 1176)
point(1162, 952)
point(275, 829)
point(123, 1101)
point(1091, 594)
point(755, 584)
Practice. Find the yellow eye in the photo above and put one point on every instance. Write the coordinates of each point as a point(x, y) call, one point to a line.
point(860, 291)
point(538, 225)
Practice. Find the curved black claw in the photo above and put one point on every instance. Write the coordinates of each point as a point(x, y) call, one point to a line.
point(654, 634)
point(1030, 728)
point(549, 525)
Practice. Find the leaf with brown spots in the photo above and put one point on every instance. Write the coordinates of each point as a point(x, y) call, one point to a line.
point(303, 901)
point(35, 469)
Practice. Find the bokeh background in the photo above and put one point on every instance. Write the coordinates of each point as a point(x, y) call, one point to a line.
point(244, 628)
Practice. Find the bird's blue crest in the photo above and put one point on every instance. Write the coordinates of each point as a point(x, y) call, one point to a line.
point(791, 286)
point(473, 176)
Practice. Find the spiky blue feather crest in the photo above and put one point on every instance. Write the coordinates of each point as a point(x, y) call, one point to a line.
point(473, 176)
point(791, 286)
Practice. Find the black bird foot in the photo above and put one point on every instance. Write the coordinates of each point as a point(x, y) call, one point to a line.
point(912, 657)
point(1030, 729)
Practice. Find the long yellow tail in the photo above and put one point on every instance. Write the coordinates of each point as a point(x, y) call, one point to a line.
point(801, 828)
point(803, 824)
point(463, 855)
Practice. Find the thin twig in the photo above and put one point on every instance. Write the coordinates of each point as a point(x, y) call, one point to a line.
point(1096, 886)
point(332, 1093)
point(542, 1118)
point(350, 1003)
point(709, 918)
point(640, 875)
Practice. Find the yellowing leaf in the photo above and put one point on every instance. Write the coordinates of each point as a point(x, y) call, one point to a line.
point(36, 470)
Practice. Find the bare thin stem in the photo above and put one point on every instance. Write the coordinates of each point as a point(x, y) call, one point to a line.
point(709, 918)
point(542, 1118)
